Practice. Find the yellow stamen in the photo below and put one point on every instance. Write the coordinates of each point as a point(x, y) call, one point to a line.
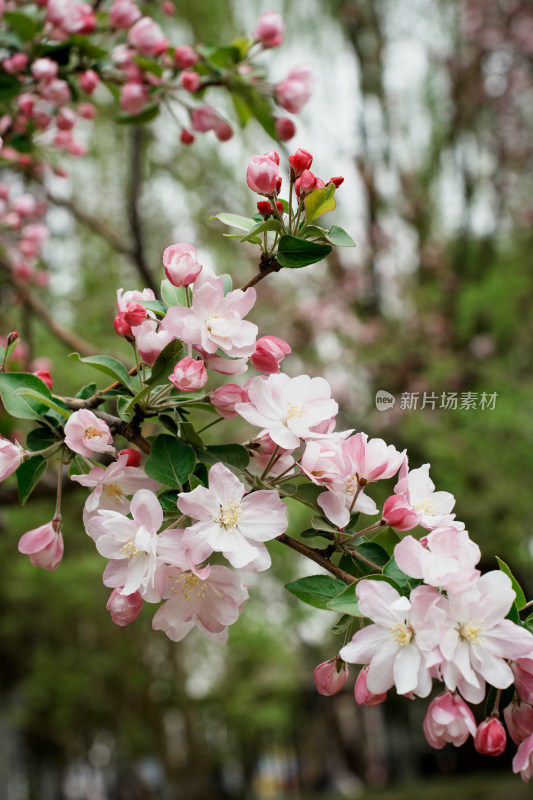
point(402, 633)
point(189, 585)
point(230, 515)
point(426, 506)
point(113, 491)
point(91, 432)
point(470, 631)
point(130, 550)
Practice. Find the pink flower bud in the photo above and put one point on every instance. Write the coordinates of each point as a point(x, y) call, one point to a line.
point(223, 131)
point(134, 457)
point(148, 38)
point(190, 81)
point(330, 676)
point(300, 161)
point(44, 546)
point(264, 208)
point(336, 181)
point(66, 119)
point(523, 678)
point(279, 206)
point(204, 119)
point(519, 720)
point(269, 353)
point(398, 514)
point(181, 264)
point(133, 97)
point(168, 8)
point(11, 456)
point(262, 174)
point(56, 91)
point(269, 29)
point(16, 63)
point(25, 205)
point(363, 695)
point(285, 128)
point(523, 760)
point(122, 328)
point(45, 376)
point(44, 69)
point(124, 14)
point(135, 314)
point(226, 397)
point(294, 92)
point(124, 608)
point(307, 183)
point(87, 111)
point(490, 738)
point(189, 375)
point(26, 102)
point(448, 719)
point(186, 137)
point(185, 57)
point(89, 80)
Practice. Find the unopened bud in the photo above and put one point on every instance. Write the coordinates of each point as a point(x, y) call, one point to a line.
point(134, 457)
point(490, 738)
point(134, 314)
point(12, 337)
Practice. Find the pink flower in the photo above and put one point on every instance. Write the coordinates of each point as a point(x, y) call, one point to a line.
point(181, 264)
point(124, 608)
point(204, 119)
point(294, 92)
point(418, 490)
point(44, 69)
point(523, 677)
point(446, 560)
point(11, 457)
point(189, 374)
point(362, 695)
point(148, 38)
point(401, 646)
point(269, 29)
point(223, 130)
point(210, 598)
point(226, 397)
point(288, 408)
point(330, 676)
point(307, 183)
point(399, 514)
point(261, 451)
point(269, 353)
point(86, 434)
point(285, 128)
point(135, 314)
point(185, 57)
point(127, 297)
point(232, 523)
point(150, 341)
point(523, 760)
point(300, 161)
point(44, 545)
point(448, 719)
point(490, 738)
point(45, 376)
point(89, 80)
point(519, 720)
point(262, 174)
point(16, 63)
point(191, 81)
point(124, 14)
point(215, 321)
point(56, 92)
point(133, 97)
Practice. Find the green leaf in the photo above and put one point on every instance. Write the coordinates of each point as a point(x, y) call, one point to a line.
point(190, 435)
point(112, 367)
point(339, 237)
point(258, 107)
point(393, 571)
point(224, 57)
point(18, 405)
point(122, 408)
point(194, 482)
point(127, 408)
point(9, 86)
point(513, 614)
point(294, 252)
point(320, 202)
point(320, 524)
point(165, 362)
point(316, 590)
point(173, 295)
point(266, 225)
point(147, 65)
point(227, 280)
point(86, 46)
point(242, 110)
point(28, 476)
point(25, 27)
point(528, 623)
point(39, 438)
point(171, 461)
point(388, 539)
point(506, 697)
point(169, 500)
point(373, 552)
point(148, 113)
point(314, 232)
point(235, 455)
point(235, 221)
point(307, 494)
point(154, 305)
point(86, 391)
point(346, 602)
point(312, 533)
point(40, 398)
point(520, 597)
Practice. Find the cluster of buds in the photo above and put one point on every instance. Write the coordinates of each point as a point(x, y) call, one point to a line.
point(22, 234)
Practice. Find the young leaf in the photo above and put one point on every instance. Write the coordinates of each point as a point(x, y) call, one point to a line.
point(86, 391)
point(235, 455)
point(339, 237)
point(165, 362)
point(40, 398)
point(155, 305)
point(110, 366)
point(520, 597)
point(307, 494)
point(267, 225)
point(294, 252)
point(235, 221)
point(25, 27)
point(319, 202)
point(227, 280)
point(173, 295)
point(171, 461)
point(21, 406)
point(28, 476)
point(346, 602)
point(316, 590)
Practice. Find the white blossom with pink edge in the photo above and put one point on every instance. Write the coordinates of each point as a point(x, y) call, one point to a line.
point(288, 408)
point(523, 760)
point(445, 558)
point(401, 647)
point(476, 640)
point(215, 321)
point(448, 719)
point(85, 433)
point(523, 677)
point(11, 457)
point(123, 298)
point(44, 546)
point(519, 720)
point(233, 523)
point(210, 598)
point(433, 508)
point(150, 340)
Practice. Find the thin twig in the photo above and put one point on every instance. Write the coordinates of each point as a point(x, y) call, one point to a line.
point(134, 193)
point(317, 557)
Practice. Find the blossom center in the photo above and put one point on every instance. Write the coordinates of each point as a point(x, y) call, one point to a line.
point(294, 410)
point(113, 491)
point(471, 630)
point(209, 318)
point(91, 432)
point(426, 506)
point(189, 585)
point(130, 550)
point(352, 484)
point(229, 515)
point(401, 633)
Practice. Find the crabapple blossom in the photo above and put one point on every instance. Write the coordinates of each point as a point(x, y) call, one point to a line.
point(135, 314)
point(519, 720)
point(150, 340)
point(191, 81)
point(294, 92)
point(523, 677)
point(330, 676)
point(185, 56)
point(300, 161)
point(307, 183)
point(88, 81)
point(133, 97)
point(204, 119)
point(189, 374)
point(123, 298)
point(445, 558)
point(262, 174)
point(11, 457)
point(231, 522)
point(86, 434)
point(124, 14)
point(181, 264)
point(148, 38)
point(285, 128)
point(362, 695)
point(402, 645)
point(225, 398)
point(399, 514)
point(262, 449)
point(523, 760)
point(124, 608)
point(289, 408)
point(44, 545)
point(418, 490)
point(448, 719)
point(210, 598)
point(490, 738)
point(269, 353)
point(269, 29)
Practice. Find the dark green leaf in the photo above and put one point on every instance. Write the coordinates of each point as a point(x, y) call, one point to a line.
point(28, 476)
point(191, 435)
point(388, 539)
point(169, 423)
point(171, 461)
point(18, 405)
point(165, 362)
point(307, 494)
point(339, 237)
point(235, 455)
point(311, 533)
point(319, 202)
point(520, 597)
point(39, 438)
point(528, 623)
point(123, 409)
point(314, 232)
point(24, 26)
point(148, 113)
point(110, 366)
point(321, 524)
point(194, 482)
point(294, 252)
point(372, 552)
point(513, 614)
point(393, 571)
point(168, 500)
point(60, 53)
point(86, 46)
point(316, 590)
point(21, 143)
point(346, 602)
point(86, 391)
point(506, 697)
point(9, 86)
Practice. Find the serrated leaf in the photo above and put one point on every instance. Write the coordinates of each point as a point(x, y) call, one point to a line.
point(112, 367)
point(165, 362)
point(319, 202)
point(149, 112)
point(86, 391)
point(339, 237)
point(520, 597)
point(294, 252)
point(346, 602)
point(39, 438)
point(235, 455)
point(316, 590)
point(169, 500)
point(171, 461)
point(266, 225)
point(234, 221)
point(20, 406)
point(321, 524)
point(28, 476)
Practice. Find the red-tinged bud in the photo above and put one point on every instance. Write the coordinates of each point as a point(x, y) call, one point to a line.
point(12, 337)
point(490, 738)
point(263, 173)
point(269, 29)
point(269, 353)
point(300, 161)
point(190, 80)
point(186, 137)
point(168, 8)
point(45, 376)
point(134, 314)
point(278, 185)
point(89, 80)
point(399, 514)
point(264, 208)
point(363, 696)
point(336, 181)
point(124, 608)
point(280, 207)
point(285, 128)
point(185, 57)
point(122, 328)
point(189, 375)
point(223, 131)
point(134, 456)
point(225, 398)
point(330, 676)
point(87, 111)
point(307, 183)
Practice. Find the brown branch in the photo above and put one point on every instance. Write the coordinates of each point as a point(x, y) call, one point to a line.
point(267, 266)
point(318, 558)
point(133, 208)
